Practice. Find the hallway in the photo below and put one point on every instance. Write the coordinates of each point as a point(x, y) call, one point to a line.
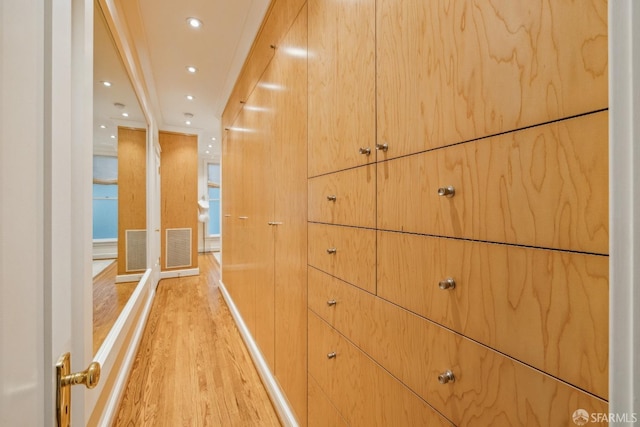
point(192, 368)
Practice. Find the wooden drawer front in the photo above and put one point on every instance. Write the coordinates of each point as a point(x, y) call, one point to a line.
point(466, 70)
point(539, 306)
point(342, 79)
point(354, 253)
point(322, 413)
point(346, 198)
point(489, 388)
point(363, 392)
point(545, 186)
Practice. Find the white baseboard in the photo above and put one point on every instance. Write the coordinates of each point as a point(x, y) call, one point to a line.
point(123, 278)
point(273, 389)
point(179, 273)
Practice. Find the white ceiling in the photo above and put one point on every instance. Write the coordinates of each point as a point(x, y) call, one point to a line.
point(166, 45)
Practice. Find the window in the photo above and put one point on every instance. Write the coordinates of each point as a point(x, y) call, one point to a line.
point(105, 197)
point(213, 190)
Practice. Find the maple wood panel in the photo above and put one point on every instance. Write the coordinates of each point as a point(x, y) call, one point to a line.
point(361, 390)
point(341, 84)
point(458, 70)
point(322, 413)
point(345, 198)
point(179, 189)
point(539, 306)
point(545, 186)
point(489, 388)
point(354, 258)
point(132, 188)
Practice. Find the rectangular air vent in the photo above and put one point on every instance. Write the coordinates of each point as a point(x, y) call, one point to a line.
point(136, 247)
point(178, 247)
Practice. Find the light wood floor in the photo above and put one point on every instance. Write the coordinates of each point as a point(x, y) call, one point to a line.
point(109, 298)
point(192, 368)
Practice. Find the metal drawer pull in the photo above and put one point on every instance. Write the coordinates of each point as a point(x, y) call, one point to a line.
point(227, 215)
point(332, 250)
point(331, 302)
point(446, 377)
point(331, 355)
point(274, 223)
point(243, 217)
point(447, 191)
point(383, 147)
point(447, 283)
point(365, 151)
point(332, 198)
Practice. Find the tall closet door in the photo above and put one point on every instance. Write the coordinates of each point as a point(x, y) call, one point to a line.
point(341, 85)
point(289, 71)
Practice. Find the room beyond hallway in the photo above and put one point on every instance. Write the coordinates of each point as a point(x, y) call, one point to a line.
point(192, 367)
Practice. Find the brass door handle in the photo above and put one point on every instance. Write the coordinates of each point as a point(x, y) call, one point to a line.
point(65, 379)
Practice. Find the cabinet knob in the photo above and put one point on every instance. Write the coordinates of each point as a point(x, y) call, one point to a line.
point(366, 151)
point(446, 191)
point(332, 250)
point(446, 377)
point(331, 302)
point(447, 283)
point(243, 217)
point(331, 355)
point(382, 147)
point(332, 198)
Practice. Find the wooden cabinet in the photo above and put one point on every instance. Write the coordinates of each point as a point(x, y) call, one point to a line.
point(539, 306)
point(545, 186)
point(344, 252)
point(322, 413)
point(361, 390)
point(265, 186)
point(460, 70)
point(341, 85)
point(486, 388)
point(345, 198)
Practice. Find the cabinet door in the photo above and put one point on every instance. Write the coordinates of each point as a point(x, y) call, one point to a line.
point(289, 71)
point(458, 70)
point(341, 84)
point(545, 186)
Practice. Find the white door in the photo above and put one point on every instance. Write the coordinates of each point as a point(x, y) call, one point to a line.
point(45, 222)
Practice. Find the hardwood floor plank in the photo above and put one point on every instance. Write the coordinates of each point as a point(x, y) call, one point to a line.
point(192, 368)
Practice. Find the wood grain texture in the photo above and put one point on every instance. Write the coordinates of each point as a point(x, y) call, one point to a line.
point(132, 187)
point(464, 69)
point(109, 298)
point(179, 189)
point(355, 197)
point(489, 388)
point(362, 391)
point(548, 309)
point(279, 16)
point(354, 260)
point(545, 186)
point(341, 84)
point(192, 367)
point(289, 159)
point(322, 413)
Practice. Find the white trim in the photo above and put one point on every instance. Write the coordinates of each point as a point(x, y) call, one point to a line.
point(124, 278)
point(273, 389)
point(179, 273)
point(113, 344)
point(105, 248)
point(624, 204)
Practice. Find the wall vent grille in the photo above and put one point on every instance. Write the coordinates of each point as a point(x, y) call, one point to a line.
point(136, 247)
point(178, 247)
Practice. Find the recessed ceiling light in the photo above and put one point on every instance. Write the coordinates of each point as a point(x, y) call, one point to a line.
point(188, 115)
point(113, 137)
point(213, 138)
point(190, 97)
point(103, 127)
point(191, 69)
point(210, 146)
point(125, 114)
point(106, 83)
point(207, 151)
point(188, 122)
point(194, 22)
